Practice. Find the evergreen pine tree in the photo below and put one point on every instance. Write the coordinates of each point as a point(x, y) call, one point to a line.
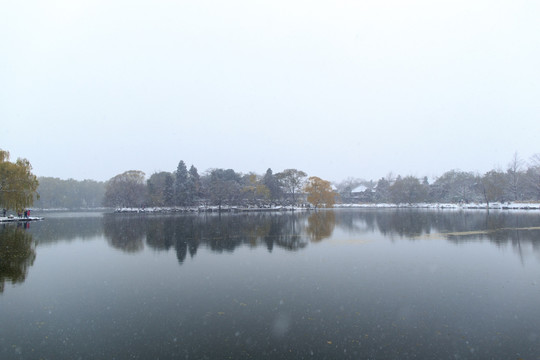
point(181, 185)
point(194, 185)
point(272, 184)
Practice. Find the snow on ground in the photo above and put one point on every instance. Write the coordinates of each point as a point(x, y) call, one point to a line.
point(16, 218)
point(495, 205)
point(224, 208)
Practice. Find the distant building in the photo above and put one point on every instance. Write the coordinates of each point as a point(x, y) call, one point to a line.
point(362, 194)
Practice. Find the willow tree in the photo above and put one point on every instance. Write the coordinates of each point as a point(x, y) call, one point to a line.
point(320, 193)
point(18, 186)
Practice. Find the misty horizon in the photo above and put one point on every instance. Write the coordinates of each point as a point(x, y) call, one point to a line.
point(388, 175)
point(345, 89)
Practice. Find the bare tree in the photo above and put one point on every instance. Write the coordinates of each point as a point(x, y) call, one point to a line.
point(126, 189)
point(292, 180)
point(514, 177)
point(493, 186)
point(532, 177)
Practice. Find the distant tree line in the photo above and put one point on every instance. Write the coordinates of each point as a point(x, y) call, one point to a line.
point(55, 193)
point(519, 182)
point(185, 187)
point(217, 187)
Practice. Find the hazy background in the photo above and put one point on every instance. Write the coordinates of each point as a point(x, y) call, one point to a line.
point(89, 89)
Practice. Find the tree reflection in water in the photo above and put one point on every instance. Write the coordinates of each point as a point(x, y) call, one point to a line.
point(17, 254)
point(321, 225)
point(126, 234)
point(224, 233)
point(220, 233)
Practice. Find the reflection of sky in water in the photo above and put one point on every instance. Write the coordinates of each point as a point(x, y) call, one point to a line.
point(353, 295)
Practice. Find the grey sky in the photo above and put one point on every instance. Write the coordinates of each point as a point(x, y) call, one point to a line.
point(89, 89)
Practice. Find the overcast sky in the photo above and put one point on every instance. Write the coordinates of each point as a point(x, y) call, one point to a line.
point(90, 89)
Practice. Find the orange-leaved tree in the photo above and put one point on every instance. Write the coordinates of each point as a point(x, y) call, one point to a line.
point(320, 193)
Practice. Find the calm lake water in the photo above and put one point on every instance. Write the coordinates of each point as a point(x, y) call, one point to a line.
point(362, 284)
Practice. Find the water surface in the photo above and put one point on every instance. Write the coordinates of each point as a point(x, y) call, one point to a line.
point(371, 284)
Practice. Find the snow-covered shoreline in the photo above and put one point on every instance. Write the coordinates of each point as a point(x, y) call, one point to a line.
point(209, 209)
point(438, 206)
point(238, 209)
point(19, 219)
point(463, 206)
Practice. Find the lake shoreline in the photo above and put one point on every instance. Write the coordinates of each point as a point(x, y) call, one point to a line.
point(435, 206)
point(204, 209)
point(19, 219)
point(452, 206)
